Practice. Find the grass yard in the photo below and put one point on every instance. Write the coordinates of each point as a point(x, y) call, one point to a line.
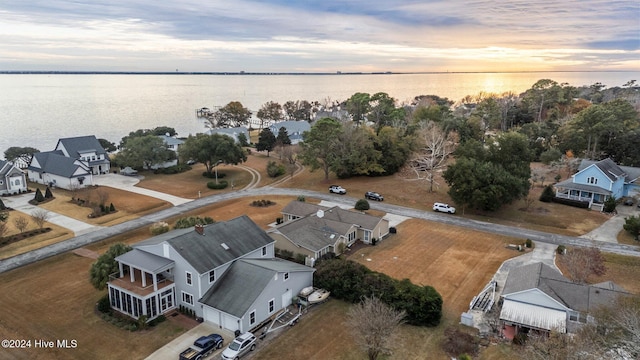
point(56, 234)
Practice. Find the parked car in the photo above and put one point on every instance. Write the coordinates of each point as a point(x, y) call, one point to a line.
point(337, 189)
point(202, 347)
point(239, 346)
point(373, 196)
point(191, 162)
point(442, 207)
point(628, 202)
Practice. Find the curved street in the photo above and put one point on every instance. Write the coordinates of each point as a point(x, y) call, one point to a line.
point(106, 232)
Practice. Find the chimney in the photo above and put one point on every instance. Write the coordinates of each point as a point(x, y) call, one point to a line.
point(199, 229)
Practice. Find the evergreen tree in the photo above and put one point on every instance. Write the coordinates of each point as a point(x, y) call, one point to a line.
point(547, 194)
point(48, 194)
point(283, 136)
point(39, 197)
point(2, 206)
point(106, 265)
point(266, 141)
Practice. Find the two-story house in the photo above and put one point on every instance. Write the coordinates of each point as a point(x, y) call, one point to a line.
point(537, 297)
point(596, 181)
point(225, 272)
point(314, 230)
point(295, 129)
point(71, 165)
point(12, 179)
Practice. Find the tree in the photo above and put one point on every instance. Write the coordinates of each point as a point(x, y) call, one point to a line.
point(395, 148)
point(106, 265)
point(144, 152)
point(266, 141)
point(358, 106)
point(233, 114)
point(383, 110)
point(581, 263)
point(433, 153)
point(38, 197)
point(39, 217)
point(362, 205)
point(355, 153)
point(375, 326)
point(48, 194)
point(319, 145)
point(547, 194)
point(20, 154)
point(269, 113)
point(2, 205)
point(242, 139)
point(632, 226)
point(212, 150)
point(21, 223)
point(283, 137)
point(298, 110)
point(107, 145)
point(544, 94)
point(158, 131)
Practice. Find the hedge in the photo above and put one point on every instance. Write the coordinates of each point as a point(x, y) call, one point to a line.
point(570, 202)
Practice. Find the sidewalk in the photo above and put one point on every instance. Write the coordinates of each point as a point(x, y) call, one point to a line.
point(21, 203)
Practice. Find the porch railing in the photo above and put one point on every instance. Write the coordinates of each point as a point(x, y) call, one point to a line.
point(161, 281)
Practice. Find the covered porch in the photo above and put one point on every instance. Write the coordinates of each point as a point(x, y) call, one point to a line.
point(595, 196)
point(143, 286)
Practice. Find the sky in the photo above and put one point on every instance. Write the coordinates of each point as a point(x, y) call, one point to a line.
point(320, 36)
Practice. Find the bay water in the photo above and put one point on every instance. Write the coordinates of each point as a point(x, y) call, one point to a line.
point(38, 109)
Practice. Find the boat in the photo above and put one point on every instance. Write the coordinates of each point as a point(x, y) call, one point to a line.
point(318, 296)
point(307, 291)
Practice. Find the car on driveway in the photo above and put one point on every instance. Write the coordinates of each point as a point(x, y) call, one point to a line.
point(628, 202)
point(373, 196)
point(337, 189)
point(442, 207)
point(240, 346)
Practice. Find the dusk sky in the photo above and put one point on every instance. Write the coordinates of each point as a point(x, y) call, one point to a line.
point(320, 36)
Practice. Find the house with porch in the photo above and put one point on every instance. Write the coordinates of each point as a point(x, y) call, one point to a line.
point(12, 179)
point(314, 230)
point(596, 181)
point(537, 297)
point(225, 272)
point(54, 169)
point(172, 143)
point(88, 150)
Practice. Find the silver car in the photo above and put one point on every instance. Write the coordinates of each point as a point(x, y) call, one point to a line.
point(239, 346)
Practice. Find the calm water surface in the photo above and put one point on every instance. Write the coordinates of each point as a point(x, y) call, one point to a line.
point(36, 110)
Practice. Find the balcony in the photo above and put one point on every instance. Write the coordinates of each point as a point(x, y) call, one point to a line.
point(136, 285)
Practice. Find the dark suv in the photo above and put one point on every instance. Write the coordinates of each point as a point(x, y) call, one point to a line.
point(373, 196)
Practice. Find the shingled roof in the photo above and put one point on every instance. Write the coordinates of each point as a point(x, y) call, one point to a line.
point(81, 144)
point(54, 162)
point(205, 252)
point(612, 170)
point(243, 283)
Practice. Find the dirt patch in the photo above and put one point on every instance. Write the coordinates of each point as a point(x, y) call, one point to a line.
point(86, 253)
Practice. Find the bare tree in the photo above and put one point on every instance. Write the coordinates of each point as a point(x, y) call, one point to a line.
point(584, 262)
point(551, 346)
point(4, 228)
point(39, 217)
point(374, 325)
point(21, 223)
point(432, 156)
point(102, 195)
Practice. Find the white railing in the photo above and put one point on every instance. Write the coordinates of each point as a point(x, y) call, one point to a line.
point(573, 197)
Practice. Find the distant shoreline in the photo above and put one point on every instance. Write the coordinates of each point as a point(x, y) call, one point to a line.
point(52, 72)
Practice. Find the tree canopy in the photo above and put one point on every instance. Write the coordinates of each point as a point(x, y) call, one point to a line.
point(106, 265)
point(17, 153)
point(144, 152)
point(266, 141)
point(319, 145)
point(233, 114)
point(269, 113)
point(212, 150)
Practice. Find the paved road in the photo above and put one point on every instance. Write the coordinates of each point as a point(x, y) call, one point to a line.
point(147, 220)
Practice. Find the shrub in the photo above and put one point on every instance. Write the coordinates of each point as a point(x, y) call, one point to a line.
point(191, 221)
point(301, 198)
point(38, 197)
point(609, 205)
point(457, 342)
point(551, 155)
point(362, 205)
point(300, 258)
point(159, 228)
point(262, 203)
point(278, 220)
point(104, 306)
point(561, 249)
point(632, 226)
point(547, 194)
point(48, 194)
point(212, 175)
point(528, 243)
point(157, 320)
point(570, 202)
point(112, 208)
point(275, 170)
point(220, 185)
point(2, 206)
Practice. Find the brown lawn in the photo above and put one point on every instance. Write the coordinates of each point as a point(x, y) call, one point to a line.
point(56, 234)
point(623, 270)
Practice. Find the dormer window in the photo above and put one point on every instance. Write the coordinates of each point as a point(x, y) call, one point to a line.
point(592, 180)
point(264, 251)
point(212, 276)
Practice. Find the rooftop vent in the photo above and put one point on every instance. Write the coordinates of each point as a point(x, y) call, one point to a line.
point(320, 214)
point(199, 229)
point(224, 246)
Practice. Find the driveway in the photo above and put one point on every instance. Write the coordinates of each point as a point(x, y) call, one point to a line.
point(609, 230)
point(172, 350)
point(128, 183)
point(21, 203)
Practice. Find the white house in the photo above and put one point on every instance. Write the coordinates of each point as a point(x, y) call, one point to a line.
point(87, 149)
point(232, 132)
point(225, 272)
point(12, 179)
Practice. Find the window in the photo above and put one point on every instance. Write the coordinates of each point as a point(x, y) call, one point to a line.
point(272, 306)
point(252, 317)
point(592, 180)
point(189, 279)
point(17, 182)
point(367, 234)
point(187, 298)
point(264, 251)
point(212, 276)
point(286, 276)
point(2, 182)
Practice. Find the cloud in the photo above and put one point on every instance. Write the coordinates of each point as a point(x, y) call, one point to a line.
point(356, 35)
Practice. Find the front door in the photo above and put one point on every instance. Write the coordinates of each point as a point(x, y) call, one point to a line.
point(286, 299)
point(166, 300)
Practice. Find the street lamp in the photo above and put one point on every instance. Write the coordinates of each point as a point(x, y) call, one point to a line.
point(216, 169)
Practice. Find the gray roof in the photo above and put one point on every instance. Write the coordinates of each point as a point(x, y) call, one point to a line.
point(146, 261)
point(611, 169)
point(7, 166)
point(302, 209)
point(81, 144)
point(170, 140)
point(242, 284)
point(551, 282)
point(54, 162)
point(365, 221)
point(569, 184)
point(293, 127)
point(206, 252)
